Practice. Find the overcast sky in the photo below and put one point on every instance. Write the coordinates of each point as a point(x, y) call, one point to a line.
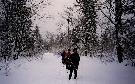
point(52, 15)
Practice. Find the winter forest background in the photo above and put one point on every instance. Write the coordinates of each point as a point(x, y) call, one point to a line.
point(103, 29)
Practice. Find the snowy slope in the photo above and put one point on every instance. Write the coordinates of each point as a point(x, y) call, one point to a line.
point(49, 70)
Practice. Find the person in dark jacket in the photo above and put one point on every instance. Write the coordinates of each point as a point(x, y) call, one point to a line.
point(67, 60)
point(74, 63)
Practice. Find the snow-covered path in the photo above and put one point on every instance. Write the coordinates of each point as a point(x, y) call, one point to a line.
point(51, 71)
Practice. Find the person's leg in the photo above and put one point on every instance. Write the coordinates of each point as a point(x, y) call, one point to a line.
point(70, 74)
point(75, 73)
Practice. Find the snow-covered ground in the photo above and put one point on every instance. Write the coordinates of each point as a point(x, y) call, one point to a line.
point(50, 70)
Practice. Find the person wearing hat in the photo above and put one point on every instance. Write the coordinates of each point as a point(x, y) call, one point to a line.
point(74, 63)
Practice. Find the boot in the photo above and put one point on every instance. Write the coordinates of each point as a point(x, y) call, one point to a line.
point(75, 77)
point(69, 77)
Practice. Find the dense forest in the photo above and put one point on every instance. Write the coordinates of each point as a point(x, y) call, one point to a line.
point(18, 37)
point(103, 29)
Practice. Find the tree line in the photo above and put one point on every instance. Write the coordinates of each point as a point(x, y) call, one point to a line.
point(103, 29)
point(18, 36)
point(98, 28)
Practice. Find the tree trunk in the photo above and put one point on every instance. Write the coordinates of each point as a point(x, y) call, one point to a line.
point(118, 26)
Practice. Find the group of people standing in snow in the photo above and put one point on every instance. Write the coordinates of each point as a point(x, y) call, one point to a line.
point(71, 60)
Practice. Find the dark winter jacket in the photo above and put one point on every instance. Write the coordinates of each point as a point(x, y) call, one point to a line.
point(75, 59)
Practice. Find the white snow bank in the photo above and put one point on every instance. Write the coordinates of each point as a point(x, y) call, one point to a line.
point(50, 70)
